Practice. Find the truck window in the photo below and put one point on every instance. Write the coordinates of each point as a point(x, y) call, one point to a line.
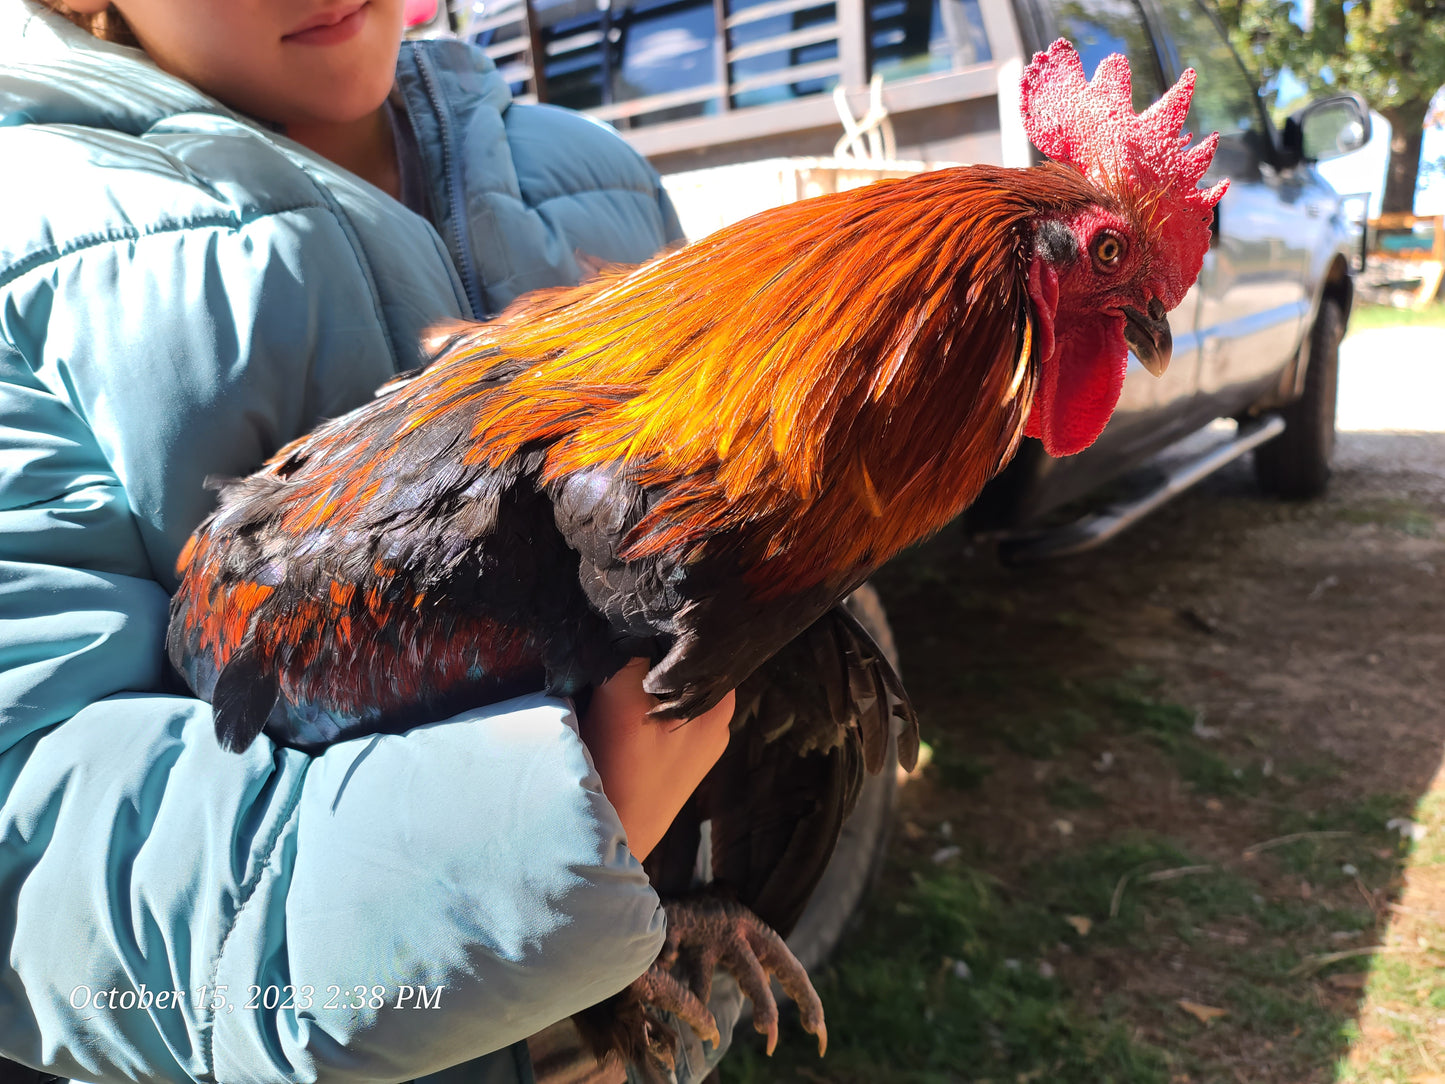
point(1100, 27)
point(571, 32)
point(917, 37)
point(602, 54)
point(605, 53)
point(1225, 100)
point(803, 38)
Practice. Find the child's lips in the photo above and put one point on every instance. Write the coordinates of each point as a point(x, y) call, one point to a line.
point(331, 27)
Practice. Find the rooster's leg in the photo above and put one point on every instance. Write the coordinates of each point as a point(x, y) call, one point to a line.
point(703, 933)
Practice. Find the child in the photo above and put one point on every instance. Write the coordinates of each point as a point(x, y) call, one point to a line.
point(224, 220)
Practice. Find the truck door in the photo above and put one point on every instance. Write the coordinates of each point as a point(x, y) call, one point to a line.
point(1253, 296)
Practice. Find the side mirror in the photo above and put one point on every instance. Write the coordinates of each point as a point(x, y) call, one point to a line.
point(1327, 129)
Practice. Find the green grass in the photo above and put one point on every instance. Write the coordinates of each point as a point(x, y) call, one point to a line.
point(944, 974)
point(1135, 708)
point(942, 979)
point(1293, 917)
point(1127, 704)
point(901, 1009)
point(1351, 833)
point(1406, 991)
point(955, 767)
point(1372, 316)
point(1043, 736)
point(1209, 773)
point(1366, 815)
point(1289, 1008)
point(1408, 517)
point(1065, 792)
point(1137, 888)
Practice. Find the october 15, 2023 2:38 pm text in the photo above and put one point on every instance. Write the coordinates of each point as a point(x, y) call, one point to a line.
point(216, 998)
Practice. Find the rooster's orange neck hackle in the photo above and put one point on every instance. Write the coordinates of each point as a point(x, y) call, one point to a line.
point(802, 374)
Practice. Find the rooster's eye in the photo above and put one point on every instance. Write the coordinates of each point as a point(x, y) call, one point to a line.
point(1108, 250)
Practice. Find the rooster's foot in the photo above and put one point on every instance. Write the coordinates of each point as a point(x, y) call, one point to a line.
point(705, 932)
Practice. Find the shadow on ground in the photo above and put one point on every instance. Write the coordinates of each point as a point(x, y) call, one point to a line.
point(1176, 788)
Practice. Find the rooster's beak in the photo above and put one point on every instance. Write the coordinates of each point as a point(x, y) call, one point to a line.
point(1149, 336)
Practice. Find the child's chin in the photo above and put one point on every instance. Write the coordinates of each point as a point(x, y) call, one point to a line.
point(356, 93)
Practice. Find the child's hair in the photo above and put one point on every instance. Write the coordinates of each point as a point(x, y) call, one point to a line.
point(109, 25)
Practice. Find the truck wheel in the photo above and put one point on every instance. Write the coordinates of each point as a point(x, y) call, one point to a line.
point(1296, 464)
point(856, 863)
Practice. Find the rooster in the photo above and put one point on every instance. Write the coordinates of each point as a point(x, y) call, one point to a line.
point(694, 460)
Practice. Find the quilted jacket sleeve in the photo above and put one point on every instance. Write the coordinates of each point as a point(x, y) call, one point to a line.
point(172, 912)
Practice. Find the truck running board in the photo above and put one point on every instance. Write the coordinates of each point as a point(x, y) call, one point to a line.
point(1098, 527)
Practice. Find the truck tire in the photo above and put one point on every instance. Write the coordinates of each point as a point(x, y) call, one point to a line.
point(1296, 464)
point(856, 863)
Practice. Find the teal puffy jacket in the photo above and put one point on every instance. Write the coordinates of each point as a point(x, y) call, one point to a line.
point(181, 292)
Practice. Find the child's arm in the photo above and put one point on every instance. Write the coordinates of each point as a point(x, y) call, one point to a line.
point(649, 768)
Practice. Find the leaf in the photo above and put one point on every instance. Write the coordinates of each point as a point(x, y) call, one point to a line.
point(1081, 924)
point(1205, 1014)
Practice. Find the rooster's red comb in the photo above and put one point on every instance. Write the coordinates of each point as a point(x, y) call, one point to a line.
point(1093, 127)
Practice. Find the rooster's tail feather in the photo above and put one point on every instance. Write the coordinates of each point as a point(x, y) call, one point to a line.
point(242, 701)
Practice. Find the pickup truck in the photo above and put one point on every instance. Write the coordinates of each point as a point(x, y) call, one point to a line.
point(704, 87)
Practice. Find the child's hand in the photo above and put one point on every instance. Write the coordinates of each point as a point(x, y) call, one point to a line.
point(649, 768)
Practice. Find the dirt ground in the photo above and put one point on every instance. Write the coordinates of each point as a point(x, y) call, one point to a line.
point(1185, 811)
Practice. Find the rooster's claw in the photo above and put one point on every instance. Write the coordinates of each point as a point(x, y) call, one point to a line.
point(705, 932)
point(659, 989)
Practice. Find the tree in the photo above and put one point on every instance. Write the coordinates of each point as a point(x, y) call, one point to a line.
point(1391, 52)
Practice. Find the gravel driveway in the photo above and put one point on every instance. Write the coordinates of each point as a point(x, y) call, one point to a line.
point(1392, 380)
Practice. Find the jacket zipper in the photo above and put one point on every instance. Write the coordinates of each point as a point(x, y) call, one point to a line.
point(456, 218)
